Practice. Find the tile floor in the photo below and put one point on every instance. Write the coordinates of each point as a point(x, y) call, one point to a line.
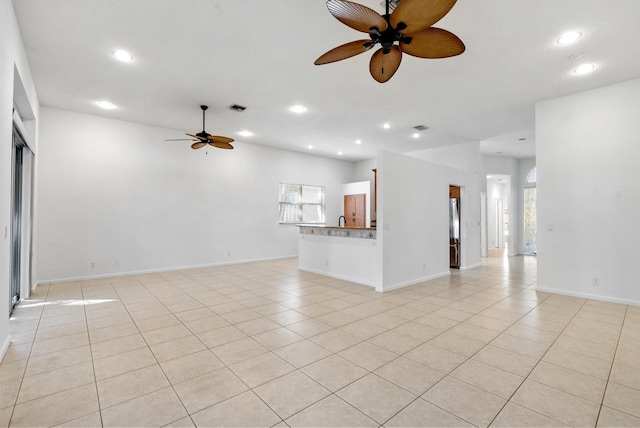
point(263, 344)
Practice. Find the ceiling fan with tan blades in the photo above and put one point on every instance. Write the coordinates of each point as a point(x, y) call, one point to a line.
point(407, 30)
point(201, 139)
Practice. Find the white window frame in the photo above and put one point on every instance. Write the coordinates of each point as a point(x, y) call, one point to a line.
point(301, 204)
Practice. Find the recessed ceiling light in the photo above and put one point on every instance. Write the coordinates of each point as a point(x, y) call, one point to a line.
point(584, 69)
point(310, 147)
point(297, 109)
point(245, 133)
point(488, 176)
point(569, 37)
point(358, 141)
point(416, 135)
point(106, 105)
point(339, 153)
point(386, 126)
point(122, 55)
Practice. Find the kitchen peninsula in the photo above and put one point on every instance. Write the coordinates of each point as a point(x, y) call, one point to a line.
point(339, 252)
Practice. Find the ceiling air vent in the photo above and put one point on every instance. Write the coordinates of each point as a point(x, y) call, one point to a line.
point(238, 108)
point(421, 127)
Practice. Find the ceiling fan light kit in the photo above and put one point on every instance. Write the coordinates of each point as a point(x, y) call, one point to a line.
point(408, 29)
point(201, 139)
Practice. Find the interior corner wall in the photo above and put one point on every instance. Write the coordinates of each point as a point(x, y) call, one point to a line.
point(12, 58)
point(413, 219)
point(116, 196)
point(587, 193)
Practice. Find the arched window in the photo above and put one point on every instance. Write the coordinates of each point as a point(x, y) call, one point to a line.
point(532, 176)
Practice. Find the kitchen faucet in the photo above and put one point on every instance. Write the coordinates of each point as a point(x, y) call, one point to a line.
point(340, 218)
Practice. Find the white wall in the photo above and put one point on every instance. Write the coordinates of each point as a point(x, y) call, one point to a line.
point(115, 192)
point(587, 152)
point(413, 218)
point(13, 64)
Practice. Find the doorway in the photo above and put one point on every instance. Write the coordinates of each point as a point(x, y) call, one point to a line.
point(17, 155)
point(355, 210)
point(530, 213)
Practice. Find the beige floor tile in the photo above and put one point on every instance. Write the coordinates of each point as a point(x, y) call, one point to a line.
point(621, 374)
point(410, 375)
point(386, 320)
point(614, 418)
point(181, 423)
point(585, 347)
point(12, 371)
point(456, 343)
point(302, 353)
point(435, 357)
point(165, 334)
point(112, 332)
point(288, 317)
point(154, 409)
point(330, 412)
point(240, 350)
point(157, 322)
point(116, 346)
point(128, 386)
point(622, 398)
point(514, 415)
point(488, 323)
point(201, 325)
point(220, 336)
point(363, 329)
point(92, 420)
point(16, 353)
point(194, 314)
point(242, 315)
point(335, 340)
point(465, 401)
point(290, 393)
point(337, 319)
point(376, 397)
point(579, 362)
point(261, 369)
point(56, 408)
point(417, 331)
point(570, 381)
point(54, 381)
point(123, 363)
point(9, 393)
point(368, 356)
point(491, 379)
point(58, 360)
point(175, 348)
point(46, 346)
point(244, 410)
point(5, 416)
point(104, 322)
point(309, 328)
point(61, 330)
point(518, 364)
point(257, 326)
point(559, 405)
point(211, 388)
point(395, 342)
point(520, 345)
point(334, 372)
point(190, 366)
point(421, 413)
point(277, 338)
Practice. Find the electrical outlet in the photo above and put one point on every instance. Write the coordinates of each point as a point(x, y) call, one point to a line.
point(326, 262)
point(596, 281)
point(229, 253)
point(116, 262)
point(92, 265)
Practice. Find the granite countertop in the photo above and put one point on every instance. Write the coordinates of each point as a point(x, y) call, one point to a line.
point(335, 227)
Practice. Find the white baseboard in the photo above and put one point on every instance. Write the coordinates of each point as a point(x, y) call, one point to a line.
point(589, 296)
point(170, 269)
point(413, 282)
point(343, 277)
point(5, 346)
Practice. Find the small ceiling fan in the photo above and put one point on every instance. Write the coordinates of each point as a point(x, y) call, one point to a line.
point(407, 30)
point(203, 138)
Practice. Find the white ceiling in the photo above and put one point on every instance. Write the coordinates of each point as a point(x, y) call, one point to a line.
point(260, 53)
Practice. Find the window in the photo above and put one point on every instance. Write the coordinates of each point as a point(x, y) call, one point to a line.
point(532, 177)
point(300, 203)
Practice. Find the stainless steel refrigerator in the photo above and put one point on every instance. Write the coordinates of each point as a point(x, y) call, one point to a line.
point(454, 233)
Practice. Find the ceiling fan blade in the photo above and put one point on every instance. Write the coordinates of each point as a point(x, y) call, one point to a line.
point(345, 51)
point(181, 139)
point(383, 66)
point(433, 43)
point(356, 16)
point(219, 139)
point(196, 137)
point(221, 145)
point(198, 145)
point(419, 14)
